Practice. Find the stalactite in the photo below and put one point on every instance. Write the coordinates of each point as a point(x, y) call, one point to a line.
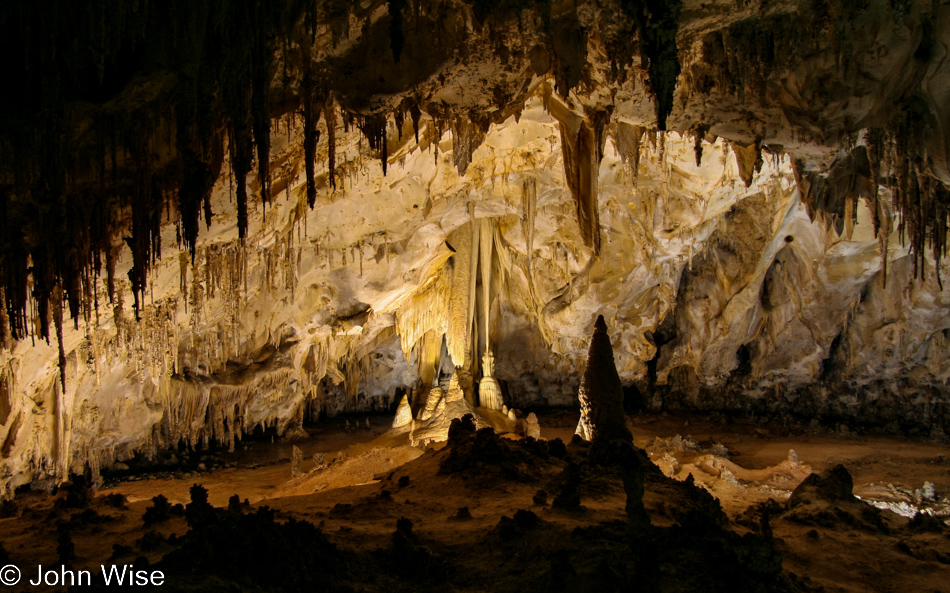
point(850, 214)
point(427, 355)
point(657, 25)
point(529, 212)
point(311, 115)
point(473, 278)
point(569, 41)
point(466, 138)
point(5, 341)
point(329, 113)
point(748, 159)
point(399, 118)
point(874, 140)
point(240, 147)
point(699, 135)
point(265, 19)
point(581, 167)
point(373, 128)
point(396, 34)
point(485, 244)
point(459, 322)
point(426, 310)
point(56, 299)
point(416, 115)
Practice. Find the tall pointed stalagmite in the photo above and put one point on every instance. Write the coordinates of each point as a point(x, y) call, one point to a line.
point(601, 393)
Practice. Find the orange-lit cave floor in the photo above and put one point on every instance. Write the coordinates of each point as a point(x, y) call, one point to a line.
point(372, 481)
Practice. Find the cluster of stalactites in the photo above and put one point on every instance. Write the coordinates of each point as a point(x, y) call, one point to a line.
point(890, 158)
point(744, 59)
point(116, 189)
point(194, 414)
point(923, 201)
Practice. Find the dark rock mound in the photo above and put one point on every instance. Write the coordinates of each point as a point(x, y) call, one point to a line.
point(483, 454)
point(831, 485)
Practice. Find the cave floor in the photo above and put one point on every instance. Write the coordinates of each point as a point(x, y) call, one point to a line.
point(357, 500)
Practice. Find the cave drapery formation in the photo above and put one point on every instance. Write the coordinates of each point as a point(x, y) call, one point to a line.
point(256, 211)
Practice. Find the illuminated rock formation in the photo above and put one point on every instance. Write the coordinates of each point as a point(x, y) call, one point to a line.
point(532, 426)
point(403, 414)
point(435, 397)
point(489, 391)
point(454, 394)
point(762, 226)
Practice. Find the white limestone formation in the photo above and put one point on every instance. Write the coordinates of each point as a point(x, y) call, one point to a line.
point(436, 395)
point(454, 392)
point(403, 414)
point(489, 390)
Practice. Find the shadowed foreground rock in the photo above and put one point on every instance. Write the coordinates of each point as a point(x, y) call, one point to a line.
point(831, 485)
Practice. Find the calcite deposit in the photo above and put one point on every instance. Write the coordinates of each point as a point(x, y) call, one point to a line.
point(347, 206)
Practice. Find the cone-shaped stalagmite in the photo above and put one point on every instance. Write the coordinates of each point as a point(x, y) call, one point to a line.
point(601, 394)
point(403, 414)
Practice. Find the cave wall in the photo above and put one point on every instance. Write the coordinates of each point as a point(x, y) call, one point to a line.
point(718, 296)
point(776, 253)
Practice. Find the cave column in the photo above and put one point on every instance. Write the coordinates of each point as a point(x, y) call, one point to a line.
point(489, 390)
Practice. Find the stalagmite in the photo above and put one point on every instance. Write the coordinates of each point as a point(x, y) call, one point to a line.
point(296, 458)
point(489, 390)
point(454, 392)
point(601, 393)
point(436, 395)
point(533, 427)
point(403, 414)
point(319, 460)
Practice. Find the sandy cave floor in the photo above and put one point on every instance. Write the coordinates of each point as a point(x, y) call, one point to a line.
point(358, 498)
